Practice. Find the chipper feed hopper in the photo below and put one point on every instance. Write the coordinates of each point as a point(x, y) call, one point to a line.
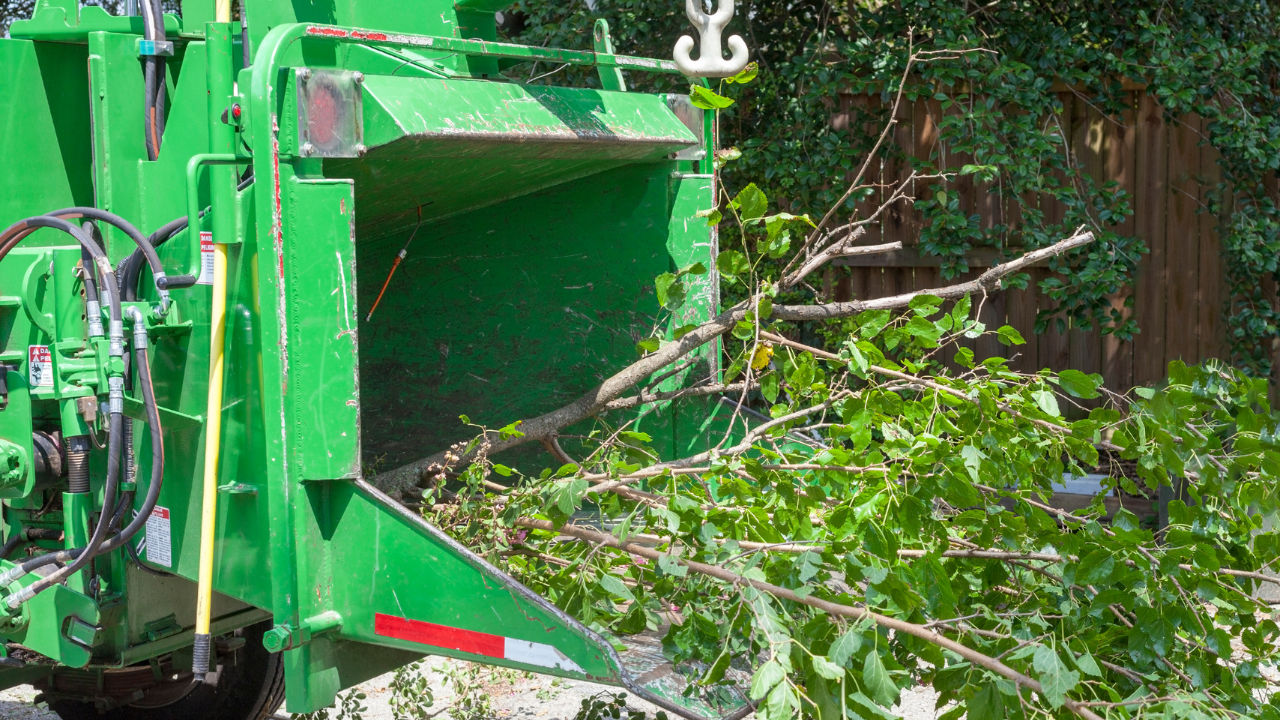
point(249, 262)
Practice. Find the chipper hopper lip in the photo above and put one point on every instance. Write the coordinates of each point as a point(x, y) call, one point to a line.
point(653, 682)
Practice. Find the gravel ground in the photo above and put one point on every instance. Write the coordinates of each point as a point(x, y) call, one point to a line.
point(513, 695)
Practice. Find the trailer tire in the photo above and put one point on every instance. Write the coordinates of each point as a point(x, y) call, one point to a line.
point(249, 687)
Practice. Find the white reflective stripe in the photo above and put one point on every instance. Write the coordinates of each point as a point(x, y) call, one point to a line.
point(542, 655)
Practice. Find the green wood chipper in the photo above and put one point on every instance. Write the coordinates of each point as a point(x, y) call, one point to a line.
point(254, 252)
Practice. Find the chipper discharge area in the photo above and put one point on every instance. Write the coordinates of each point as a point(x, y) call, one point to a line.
point(248, 263)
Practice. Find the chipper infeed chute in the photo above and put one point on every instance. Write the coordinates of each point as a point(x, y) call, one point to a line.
point(361, 231)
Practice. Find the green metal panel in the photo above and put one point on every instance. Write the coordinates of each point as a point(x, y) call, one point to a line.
point(45, 133)
point(324, 382)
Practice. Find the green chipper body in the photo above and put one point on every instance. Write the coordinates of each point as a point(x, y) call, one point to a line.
point(347, 154)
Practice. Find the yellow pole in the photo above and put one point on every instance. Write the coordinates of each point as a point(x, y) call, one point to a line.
point(212, 436)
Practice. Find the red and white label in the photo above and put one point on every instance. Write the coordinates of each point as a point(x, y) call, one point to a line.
point(39, 366)
point(475, 643)
point(159, 540)
point(206, 259)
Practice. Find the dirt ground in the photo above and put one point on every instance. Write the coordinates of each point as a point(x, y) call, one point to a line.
point(512, 696)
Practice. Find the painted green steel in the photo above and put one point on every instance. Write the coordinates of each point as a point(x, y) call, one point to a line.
point(534, 217)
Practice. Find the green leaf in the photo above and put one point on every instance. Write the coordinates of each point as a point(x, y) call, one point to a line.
point(670, 290)
point(671, 566)
point(750, 202)
point(707, 99)
point(1078, 384)
point(731, 263)
point(876, 680)
point(1047, 401)
point(502, 470)
point(769, 387)
point(615, 586)
point(987, 704)
point(769, 675)
point(925, 304)
point(1053, 675)
point(682, 331)
point(1088, 665)
point(567, 494)
point(648, 345)
point(826, 668)
point(1009, 336)
point(973, 459)
point(781, 704)
point(845, 646)
point(746, 75)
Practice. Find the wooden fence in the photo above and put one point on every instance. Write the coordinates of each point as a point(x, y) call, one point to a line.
point(1178, 296)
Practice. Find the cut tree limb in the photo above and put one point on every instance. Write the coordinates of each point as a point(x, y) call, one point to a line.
point(402, 479)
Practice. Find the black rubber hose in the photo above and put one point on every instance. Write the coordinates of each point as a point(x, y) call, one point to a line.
point(10, 545)
point(90, 270)
point(162, 88)
point(20, 230)
point(157, 455)
point(144, 245)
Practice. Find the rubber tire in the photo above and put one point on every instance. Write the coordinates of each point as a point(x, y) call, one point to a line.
point(250, 689)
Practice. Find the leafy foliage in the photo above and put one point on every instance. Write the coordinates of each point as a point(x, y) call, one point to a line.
point(889, 525)
point(1210, 59)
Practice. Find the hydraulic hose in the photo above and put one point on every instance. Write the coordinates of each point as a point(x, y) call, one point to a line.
point(154, 79)
point(156, 482)
point(145, 246)
point(79, 557)
point(9, 239)
point(92, 303)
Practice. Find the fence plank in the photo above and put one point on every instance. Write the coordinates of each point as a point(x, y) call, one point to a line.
point(1087, 147)
point(1121, 167)
point(1150, 223)
point(1182, 336)
point(1211, 301)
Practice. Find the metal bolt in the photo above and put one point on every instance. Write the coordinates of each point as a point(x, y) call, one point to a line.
point(304, 73)
point(307, 148)
point(358, 77)
point(277, 639)
point(361, 150)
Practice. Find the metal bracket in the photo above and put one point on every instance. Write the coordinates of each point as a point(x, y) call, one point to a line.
point(610, 77)
point(710, 62)
point(154, 48)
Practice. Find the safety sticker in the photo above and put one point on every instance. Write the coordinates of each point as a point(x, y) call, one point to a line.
point(160, 537)
point(40, 366)
point(206, 259)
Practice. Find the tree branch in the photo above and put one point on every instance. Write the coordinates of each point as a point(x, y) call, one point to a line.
point(831, 608)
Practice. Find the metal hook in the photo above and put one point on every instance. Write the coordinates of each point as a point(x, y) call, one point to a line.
point(710, 62)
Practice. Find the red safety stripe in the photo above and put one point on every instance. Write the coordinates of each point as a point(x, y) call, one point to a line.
point(443, 636)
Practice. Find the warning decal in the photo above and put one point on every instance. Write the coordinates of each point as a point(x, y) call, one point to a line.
point(206, 259)
point(159, 542)
point(39, 366)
